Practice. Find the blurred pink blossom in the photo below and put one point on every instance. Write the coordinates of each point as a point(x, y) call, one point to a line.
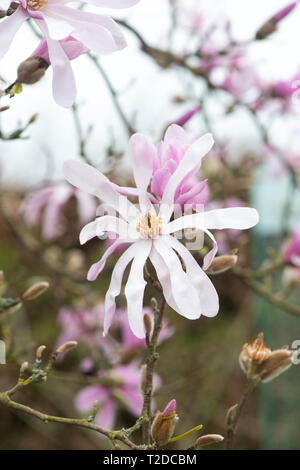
point(127, 391)
point(51, 199)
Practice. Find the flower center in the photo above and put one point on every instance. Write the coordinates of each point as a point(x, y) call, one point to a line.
point(36, 4)
point(149, 225)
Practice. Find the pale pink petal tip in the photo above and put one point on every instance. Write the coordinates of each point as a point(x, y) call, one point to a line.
point(170, 408)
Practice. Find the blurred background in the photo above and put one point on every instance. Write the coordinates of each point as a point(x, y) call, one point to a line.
point(205, 67)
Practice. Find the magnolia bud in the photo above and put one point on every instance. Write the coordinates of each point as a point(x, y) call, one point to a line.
point(39, 351)
point(32, 70)
point(154, 303)
point(223, 263)
point(23, 368)
point(270, 26)
point(147, 324)
point(66, 347)
point(260, 363)
point(207, 440)
point(143, 378)
point(36, 290)
point(164, 423)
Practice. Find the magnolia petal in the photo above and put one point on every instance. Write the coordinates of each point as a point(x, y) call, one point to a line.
point(239, 218)
point(96, 268)
point(183, 291)
point(163, 275)
point(205, 288)
point(107, 414)
point(135, 286)
point(63, 82)
point(113, 3)
point(86, 397)
point(107, 223)
point(133, 398)
point(87, 178)
point(9, 28)
point(142, 153)
point(115, 286)
point(191, 159)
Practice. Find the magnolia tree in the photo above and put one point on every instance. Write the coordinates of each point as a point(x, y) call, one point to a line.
point(163, 237)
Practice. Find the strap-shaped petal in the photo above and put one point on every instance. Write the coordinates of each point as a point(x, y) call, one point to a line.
point(142, 154)
point(183, 290)
point(96, 268)
point(107, 223)
point(135, 287)
point(9, 28)
point(205, 288)
point(92, 181)
point(115, 286)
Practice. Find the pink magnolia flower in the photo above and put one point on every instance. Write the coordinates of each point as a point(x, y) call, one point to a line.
point(149, 231)
point(62, 93)
point(51, 199)
point(83, 325)
point(127, 391)
point(165, 161)
point(291, 253)
point(57, 21)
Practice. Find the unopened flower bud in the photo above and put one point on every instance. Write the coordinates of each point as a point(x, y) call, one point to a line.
point(164, 423)
point(66, 347)
point(207, 440)
point(32, 70)
point(39, 351)
point(261, 363)
point(36, 290)
point(223, 263)
point(23, 368)
point(147, 324)
point(270, 26)
point(231, 414)
point(11, 306)
point(143, 378)
point(1, 277)
point(154, 304)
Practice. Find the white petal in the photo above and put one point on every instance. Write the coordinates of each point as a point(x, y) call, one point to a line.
point(135, 287)
point(92, 181)
point(205, 288)
point(183, 291)
point(115, 286)
point(96, 268)
point(239, 218)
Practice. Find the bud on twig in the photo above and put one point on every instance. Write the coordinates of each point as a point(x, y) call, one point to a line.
point(32, 70)
point(164, 423)
point(36, 290)
point(208, 440)
point(270, 26)
point(66, 347)
point(143, 378)
point(23, 368)
point(154, 304)
point(39, 352)
point(231, 414)
point(261, 363)
point(223, 263)
point(147, 324)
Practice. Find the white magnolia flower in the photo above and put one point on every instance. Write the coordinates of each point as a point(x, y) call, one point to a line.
point(149, 231)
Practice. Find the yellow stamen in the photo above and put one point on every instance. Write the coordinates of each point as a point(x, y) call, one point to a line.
point(149, 225)
point(36, 4)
